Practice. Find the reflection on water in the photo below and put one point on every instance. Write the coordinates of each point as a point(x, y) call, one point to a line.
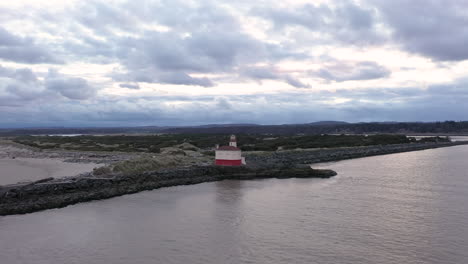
point(401, 208)
point(229, 192)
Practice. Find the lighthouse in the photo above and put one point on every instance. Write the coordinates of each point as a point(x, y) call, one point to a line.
point(229, 155)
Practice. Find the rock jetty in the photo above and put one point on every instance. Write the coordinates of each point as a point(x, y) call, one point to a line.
point(50, 193)
point(55, 193)
point(289, 158)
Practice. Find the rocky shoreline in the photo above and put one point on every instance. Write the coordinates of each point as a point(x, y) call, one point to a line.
point(290, 158)
point(52, 193)
point(56, 193)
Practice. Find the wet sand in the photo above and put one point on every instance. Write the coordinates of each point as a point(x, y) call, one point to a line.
point(31, 169)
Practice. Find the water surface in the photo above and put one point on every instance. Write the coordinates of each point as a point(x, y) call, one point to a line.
point(400, 208)
point(31, 169)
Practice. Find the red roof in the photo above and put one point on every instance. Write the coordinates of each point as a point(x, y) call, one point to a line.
point(230, 148)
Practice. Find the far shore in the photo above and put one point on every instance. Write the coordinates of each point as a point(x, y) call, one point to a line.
point(437, 134)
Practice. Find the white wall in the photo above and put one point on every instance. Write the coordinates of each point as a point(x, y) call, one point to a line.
point(228, 155)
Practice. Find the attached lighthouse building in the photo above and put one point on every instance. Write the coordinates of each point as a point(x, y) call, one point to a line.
point(229, 155)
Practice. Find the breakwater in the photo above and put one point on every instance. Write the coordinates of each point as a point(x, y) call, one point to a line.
point(289, 158)
point(56, 193)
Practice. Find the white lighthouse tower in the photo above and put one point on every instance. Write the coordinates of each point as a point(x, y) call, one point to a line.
point(233, 141)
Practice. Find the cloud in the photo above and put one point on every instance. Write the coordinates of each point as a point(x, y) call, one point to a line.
point(242, 51)
point(23, 50)
point(130, 86)
point(436, 29)
point(361, 71)
point(69, 87)
point(184, 79)
point(19, 85)
point(224, 104)
point(170, 58)
point(22, 86)
point(295, 82)
point(182, 40)
point(383, 104)
point(152, 75)
point(344, 21)
point(271, 73)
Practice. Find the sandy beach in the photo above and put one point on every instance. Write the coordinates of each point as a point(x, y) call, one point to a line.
point(31, 169)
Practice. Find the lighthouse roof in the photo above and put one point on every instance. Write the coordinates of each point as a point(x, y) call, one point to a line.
point(228, 148)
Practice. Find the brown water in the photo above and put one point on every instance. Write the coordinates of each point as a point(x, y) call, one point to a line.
point(400, 208)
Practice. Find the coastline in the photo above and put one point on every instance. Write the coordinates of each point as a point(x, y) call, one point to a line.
point(55, 193)
point(312, 156)
point(51, 193)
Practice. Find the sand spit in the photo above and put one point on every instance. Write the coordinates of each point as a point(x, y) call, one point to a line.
point(9, 149)
point(19, 163)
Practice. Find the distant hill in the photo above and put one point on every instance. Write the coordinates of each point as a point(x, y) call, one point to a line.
point(225, 125)
point(322, 127)
point(327, 123)
point(333, 127)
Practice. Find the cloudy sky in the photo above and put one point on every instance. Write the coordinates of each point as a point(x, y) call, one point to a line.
point(185, 62)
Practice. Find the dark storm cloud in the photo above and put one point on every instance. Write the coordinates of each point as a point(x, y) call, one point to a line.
point(341, 72)
point(23, 50)
point(436, 29)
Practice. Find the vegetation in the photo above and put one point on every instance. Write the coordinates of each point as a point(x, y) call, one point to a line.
point(334, 128)
point(154, 143)
point(293, 129)
point(142, 165)
point(434, 139)
point(102, 171)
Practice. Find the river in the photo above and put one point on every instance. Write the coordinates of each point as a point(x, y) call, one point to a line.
point(401, 208)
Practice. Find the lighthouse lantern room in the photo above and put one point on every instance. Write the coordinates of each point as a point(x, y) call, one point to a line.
point(229, 155)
